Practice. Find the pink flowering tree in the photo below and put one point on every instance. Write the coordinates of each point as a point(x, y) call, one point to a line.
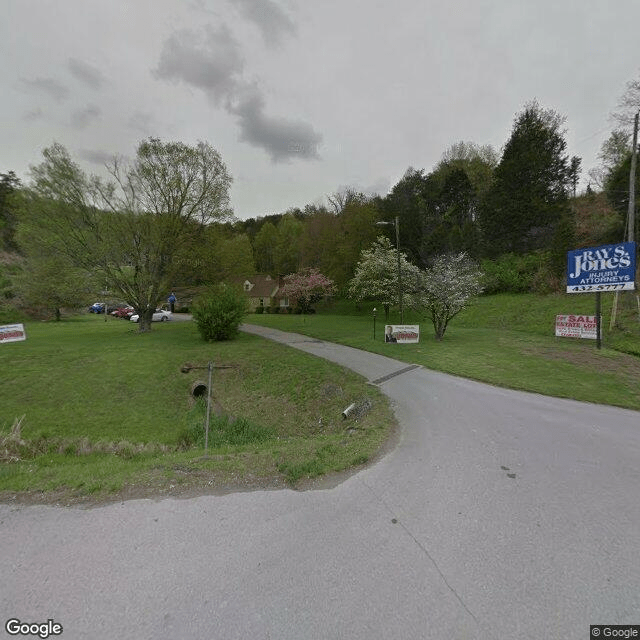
point(306, 287)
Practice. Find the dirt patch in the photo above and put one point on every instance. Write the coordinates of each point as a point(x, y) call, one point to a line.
point(606, 362)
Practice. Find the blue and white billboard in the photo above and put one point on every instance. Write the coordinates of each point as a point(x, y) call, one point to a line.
point(611, 267)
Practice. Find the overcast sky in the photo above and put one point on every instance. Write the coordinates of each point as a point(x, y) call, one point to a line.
point(303, 98)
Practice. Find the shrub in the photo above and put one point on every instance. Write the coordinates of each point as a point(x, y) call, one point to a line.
point(219, 312)
point(259, 310)
point(512, 273)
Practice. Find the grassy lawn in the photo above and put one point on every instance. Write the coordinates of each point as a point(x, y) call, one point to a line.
point(506, 340)
point(109, 414)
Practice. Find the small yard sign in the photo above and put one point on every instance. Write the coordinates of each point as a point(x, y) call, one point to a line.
point(402, 333)
point(573, 326)
point(12, 333)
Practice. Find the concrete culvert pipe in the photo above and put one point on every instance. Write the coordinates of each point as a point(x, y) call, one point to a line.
point(349, 410)
point(199, 389)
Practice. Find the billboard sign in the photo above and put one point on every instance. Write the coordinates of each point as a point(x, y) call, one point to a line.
point(576, 326)
point(610, 267)
point(12, 333)
point(402, 333)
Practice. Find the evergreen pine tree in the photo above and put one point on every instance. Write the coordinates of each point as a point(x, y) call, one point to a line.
point(529, 194)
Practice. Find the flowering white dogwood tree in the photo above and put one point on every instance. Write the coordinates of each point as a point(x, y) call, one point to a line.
point(445, 288)
point(306, 287)
point(376, 275)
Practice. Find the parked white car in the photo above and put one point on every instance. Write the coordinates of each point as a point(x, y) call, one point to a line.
point(159, 315)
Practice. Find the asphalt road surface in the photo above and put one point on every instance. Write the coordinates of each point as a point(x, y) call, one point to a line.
point(499, 514)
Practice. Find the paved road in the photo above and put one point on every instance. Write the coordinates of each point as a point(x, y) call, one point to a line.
point(498, 515)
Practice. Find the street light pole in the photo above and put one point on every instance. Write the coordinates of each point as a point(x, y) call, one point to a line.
point(399, 269)
point(397, 225)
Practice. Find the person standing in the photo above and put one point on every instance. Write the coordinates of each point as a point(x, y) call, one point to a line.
point(172, 302)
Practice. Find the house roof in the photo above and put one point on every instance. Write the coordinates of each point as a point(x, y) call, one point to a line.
point(262, 286)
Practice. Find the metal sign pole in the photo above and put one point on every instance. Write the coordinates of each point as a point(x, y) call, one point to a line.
point(598, 322)
point(206, 424)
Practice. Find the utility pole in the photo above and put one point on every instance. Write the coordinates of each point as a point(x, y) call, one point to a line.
point(400, 296)
point(397, 226)
point(632, 183)
point(631, 211)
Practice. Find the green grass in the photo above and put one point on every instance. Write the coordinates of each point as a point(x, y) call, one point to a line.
point(107, 409)
point(506, 340)
point(109, 415)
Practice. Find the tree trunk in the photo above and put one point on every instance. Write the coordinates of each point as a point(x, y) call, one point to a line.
point(145, 321)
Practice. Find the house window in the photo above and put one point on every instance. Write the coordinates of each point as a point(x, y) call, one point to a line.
point(262, 302)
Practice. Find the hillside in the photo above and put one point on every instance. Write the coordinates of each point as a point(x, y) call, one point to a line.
point(596, 221)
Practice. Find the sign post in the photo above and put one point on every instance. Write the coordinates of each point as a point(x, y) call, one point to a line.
point(598, 320)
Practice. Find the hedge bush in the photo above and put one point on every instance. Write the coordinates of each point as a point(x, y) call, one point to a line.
point(219, 312)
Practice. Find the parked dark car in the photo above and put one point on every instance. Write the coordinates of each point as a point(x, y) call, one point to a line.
point(98, 307)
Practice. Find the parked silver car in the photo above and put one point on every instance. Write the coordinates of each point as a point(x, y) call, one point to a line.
point(159, 315)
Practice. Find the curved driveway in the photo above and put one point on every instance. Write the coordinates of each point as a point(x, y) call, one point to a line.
point(499, 514)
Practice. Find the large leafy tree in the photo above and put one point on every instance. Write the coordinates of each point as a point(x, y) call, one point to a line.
point(9, 184)
point(356, 230)
point(264, 248)
point(616, 188)
point(408, 200)
point(617, 151)
point(216, 254)
point(477, 161)
point(628, 104)
point(376, 276)
point(287, 250)
point(529, 193)
point(51, 282)
point(129, 230)
point(319, 238)
point(438, 211)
